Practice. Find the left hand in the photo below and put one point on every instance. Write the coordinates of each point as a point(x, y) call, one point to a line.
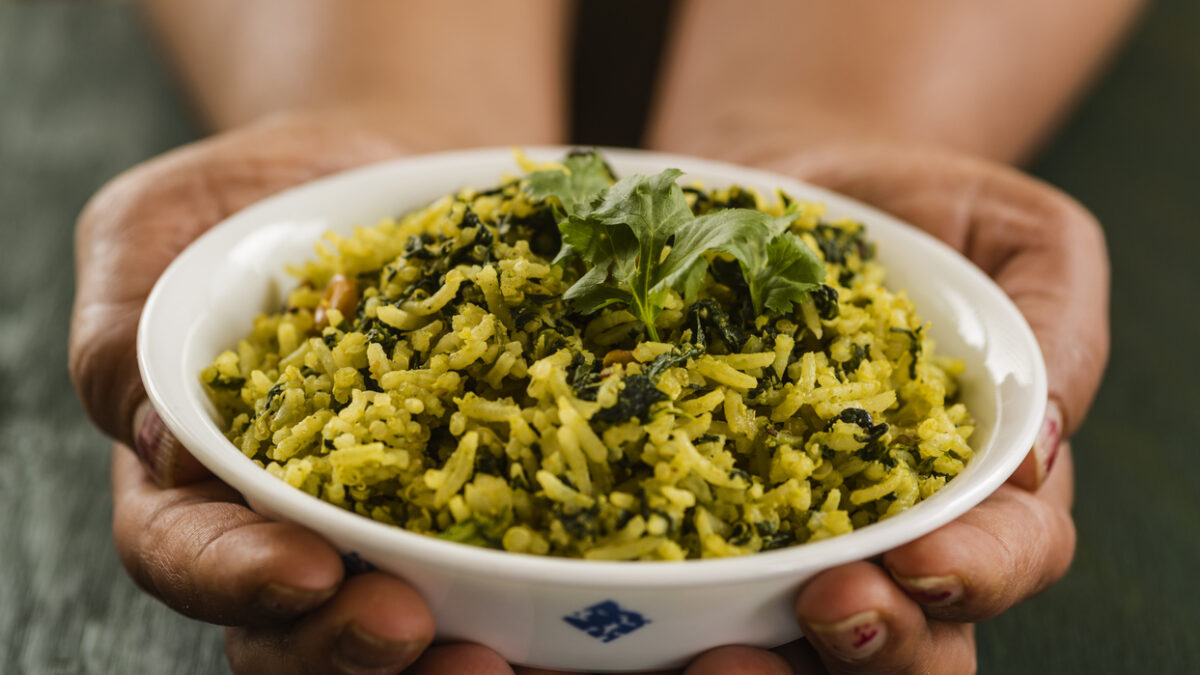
point(913, 610)
point(184, 536)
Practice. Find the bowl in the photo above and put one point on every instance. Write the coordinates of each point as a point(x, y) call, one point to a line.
point(566, 613)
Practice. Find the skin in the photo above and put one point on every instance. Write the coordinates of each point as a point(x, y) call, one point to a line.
point(752, 82)
point(463, 70)
point(280, 589)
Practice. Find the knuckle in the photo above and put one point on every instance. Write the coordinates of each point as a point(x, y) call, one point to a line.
point(1069, 225)
point(1026, 541)
point(250, 653)
point(129, 551)
point(151, 552)
point(1038, 541)
point(1028, 548)
point(1059, 564)
point(173, 189)
point(128, 231)
point(110, 207)
point(158, 547)
point(1072, 215)
point(83, 364)
point(101, 367)
point(100, 204)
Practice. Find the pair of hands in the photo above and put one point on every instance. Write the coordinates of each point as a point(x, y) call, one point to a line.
point(190, 540)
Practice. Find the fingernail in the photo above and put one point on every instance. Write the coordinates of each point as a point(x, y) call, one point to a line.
point(855, 638)
point(940, 591)
point(164, 457)
point(1049, 438)
point(356, 650)
point(153, 443)
point(287, 601)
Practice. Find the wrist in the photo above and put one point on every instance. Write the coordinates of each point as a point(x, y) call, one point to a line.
point(759, 133)
point(763, 132)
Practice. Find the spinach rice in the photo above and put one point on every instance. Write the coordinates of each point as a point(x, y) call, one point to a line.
point(427, 372)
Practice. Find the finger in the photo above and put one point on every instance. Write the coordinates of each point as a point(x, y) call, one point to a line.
point(1009, 548)
point(529, 670)
point(203, 553)
point(801, 657)
point(738, 660)
point(137, 224)
point(166, 461)
point(1059, 280)
point(859, 621)
point(949, 649)
point(1033, 471)
point(374, 624)
point(127, 235)
point(467, 659)
point(1044, 249)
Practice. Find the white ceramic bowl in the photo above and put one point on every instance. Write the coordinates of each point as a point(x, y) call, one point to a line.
point(552, 612)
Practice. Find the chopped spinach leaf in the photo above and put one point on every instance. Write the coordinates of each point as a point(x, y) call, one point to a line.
point(707, 321)
point(633, 402)
point(671, 359)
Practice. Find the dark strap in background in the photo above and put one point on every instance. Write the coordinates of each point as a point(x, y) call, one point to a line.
point(617, 50)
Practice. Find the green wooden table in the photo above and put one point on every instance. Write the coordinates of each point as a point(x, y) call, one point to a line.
point(82, 97)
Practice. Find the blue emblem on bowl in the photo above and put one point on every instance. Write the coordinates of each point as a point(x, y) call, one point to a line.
point(606, 621)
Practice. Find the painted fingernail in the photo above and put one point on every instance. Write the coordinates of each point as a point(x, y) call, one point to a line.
point(154, 444)
point(164, 457)
point(356, 651)
point(853, 639)
point(287, 601)
point(1049, 439)
point(939, 591)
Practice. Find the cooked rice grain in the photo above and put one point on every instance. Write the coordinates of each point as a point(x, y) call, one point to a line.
point(463, 399)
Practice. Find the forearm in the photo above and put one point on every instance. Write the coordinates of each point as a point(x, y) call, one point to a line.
point(747, 81)
point(462, 72)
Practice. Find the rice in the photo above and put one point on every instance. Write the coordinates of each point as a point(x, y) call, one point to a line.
point(427, 373)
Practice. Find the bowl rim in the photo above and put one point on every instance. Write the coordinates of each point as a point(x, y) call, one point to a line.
point(260, 488)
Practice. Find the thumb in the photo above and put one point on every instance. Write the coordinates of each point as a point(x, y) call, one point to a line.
point(1040, 246)
point(132, 229)
point(127, 235)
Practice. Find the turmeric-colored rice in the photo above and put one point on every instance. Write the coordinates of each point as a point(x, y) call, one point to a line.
point(426, 372)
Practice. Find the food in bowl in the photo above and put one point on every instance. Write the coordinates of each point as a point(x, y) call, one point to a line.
point(572, 365)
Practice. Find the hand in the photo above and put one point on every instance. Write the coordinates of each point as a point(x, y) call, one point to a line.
point(912, 611)
point(184, 536)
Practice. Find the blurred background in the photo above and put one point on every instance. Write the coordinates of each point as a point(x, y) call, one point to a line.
point(83, 96)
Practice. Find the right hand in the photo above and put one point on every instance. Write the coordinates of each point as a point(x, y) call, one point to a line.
point(184, 536)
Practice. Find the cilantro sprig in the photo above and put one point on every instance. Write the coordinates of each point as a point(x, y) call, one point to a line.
point(638, 240)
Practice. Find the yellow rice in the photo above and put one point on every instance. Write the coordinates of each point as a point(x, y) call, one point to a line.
point(449, 401)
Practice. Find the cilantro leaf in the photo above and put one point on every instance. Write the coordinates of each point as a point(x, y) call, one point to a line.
point(638, 240)
point(612, 256)
point(626, 229)
point(790, 272)
point(725, 230)
point(777, 265)
point(585, 176)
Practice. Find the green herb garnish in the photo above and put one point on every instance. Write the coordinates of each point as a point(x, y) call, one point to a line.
point(639, 239)
point(779, 270)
